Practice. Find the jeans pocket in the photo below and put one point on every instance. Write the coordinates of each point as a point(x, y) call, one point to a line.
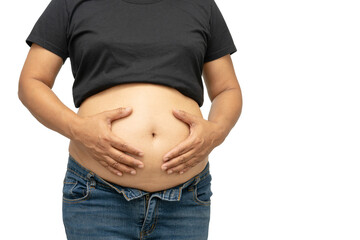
point(202, 191)
point(75, 188)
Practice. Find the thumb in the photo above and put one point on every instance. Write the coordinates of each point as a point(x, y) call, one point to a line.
point(185, 117)
point(118, 113)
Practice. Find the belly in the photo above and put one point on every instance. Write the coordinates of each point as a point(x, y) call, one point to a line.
point(150, 127)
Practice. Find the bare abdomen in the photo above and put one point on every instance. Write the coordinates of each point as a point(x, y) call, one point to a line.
point(150, 127)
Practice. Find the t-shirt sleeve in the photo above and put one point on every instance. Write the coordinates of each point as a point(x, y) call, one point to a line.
point(50, 30)
point(220, 41)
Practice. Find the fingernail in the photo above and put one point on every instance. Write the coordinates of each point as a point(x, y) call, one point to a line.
point(133, 172)
point(119, 174)
point(164, 168)
point(140, 165)
point(170, 171)
point(127, 108)
point(181, 172)
point(167, 158)
point(141, 154)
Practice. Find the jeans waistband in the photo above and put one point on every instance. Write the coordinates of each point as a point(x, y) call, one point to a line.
point(171, 194)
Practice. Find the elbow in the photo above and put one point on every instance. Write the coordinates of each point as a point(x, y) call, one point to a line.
point(237, 98)
point(240, 99)
point(23, 86)
point(236, 93)
point(20, 92)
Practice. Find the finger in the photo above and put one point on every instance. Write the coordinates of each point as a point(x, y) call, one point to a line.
point(186, 117)
point(177, 161)
point(184, 170)
point(179, 149)
point(119, 166)
point(124, 158)
point(184, 166)
point(121, 145)
point(111, 169)
point(117, 113)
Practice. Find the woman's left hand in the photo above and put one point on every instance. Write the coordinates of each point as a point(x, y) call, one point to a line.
point(204, 137)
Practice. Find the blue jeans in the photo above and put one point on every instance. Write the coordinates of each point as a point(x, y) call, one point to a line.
point(95, 209)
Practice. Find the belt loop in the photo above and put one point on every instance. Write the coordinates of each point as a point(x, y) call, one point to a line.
point(90, 176)
point(193, 183)
point(197, 180)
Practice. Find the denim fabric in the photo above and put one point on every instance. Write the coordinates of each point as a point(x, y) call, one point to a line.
point(95, 209)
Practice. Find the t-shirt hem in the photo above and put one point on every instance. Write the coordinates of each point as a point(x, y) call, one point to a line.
point(47, 45)
point(220, 53)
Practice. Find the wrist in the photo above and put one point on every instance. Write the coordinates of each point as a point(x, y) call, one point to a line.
point(220, 134)
point(74, 127)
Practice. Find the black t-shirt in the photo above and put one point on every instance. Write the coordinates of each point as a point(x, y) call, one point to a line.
point(110, 42)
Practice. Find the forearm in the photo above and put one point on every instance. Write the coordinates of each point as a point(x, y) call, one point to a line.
point(225, 110)
point(47, 108)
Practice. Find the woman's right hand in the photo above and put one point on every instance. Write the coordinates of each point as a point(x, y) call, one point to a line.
point(94, 133)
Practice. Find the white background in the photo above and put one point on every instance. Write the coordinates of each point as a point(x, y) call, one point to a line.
point(289, 169)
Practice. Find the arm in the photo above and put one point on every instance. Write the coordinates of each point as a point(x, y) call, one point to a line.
point(225, 94)
point(34, 91)
point(93, 132)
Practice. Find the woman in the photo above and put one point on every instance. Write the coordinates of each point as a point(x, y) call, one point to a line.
point(148, 55)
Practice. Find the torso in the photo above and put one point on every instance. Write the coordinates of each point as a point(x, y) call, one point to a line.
point(151, 127)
